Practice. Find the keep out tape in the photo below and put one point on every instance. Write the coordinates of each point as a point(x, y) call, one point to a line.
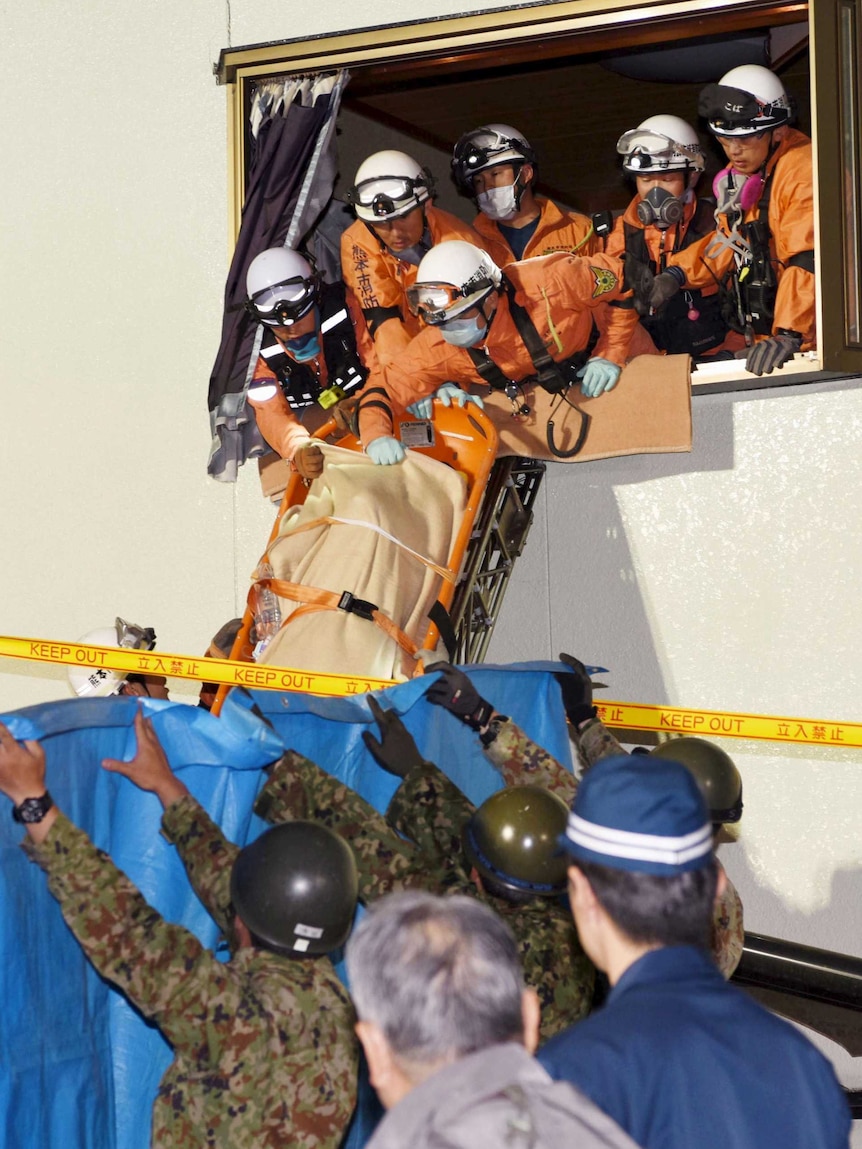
point(256, 676)
point(723, 724)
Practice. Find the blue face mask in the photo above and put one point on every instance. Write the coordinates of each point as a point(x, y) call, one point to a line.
point(304, 347)
point(464, 332)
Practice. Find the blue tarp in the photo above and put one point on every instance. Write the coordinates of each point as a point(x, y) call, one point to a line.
point(79, 1066)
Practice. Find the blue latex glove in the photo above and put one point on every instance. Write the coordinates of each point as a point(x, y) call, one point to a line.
point(597, 376)
point(422, 407)
point(384, 451)
point(450, 391)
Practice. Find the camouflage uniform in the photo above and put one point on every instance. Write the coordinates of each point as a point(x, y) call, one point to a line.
point(523, 762)
point(264, 1051)
point(431, 811)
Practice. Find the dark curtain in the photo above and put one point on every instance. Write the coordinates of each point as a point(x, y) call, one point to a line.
point(292, 174)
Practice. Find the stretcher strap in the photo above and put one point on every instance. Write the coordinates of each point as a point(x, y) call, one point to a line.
point(315, 598)
point(332, 520)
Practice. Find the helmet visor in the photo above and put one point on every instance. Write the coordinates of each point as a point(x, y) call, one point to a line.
point(281, 304)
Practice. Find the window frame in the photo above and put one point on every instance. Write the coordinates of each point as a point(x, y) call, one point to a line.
point(548, 31)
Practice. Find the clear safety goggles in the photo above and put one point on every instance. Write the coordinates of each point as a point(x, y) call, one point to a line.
point(132, 637)
point(398, 196)
point(433, 302)
point(282, 304)
point(647, 149)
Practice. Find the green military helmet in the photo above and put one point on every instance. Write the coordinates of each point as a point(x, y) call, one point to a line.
point(714, 771)
point(295, 888)
point(511, 840)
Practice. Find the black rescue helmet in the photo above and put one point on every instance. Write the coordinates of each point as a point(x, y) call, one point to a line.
point(714, 772)
point(511, 840)
point(295, 888)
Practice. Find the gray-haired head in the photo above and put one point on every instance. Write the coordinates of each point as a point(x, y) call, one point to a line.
point(440, 977)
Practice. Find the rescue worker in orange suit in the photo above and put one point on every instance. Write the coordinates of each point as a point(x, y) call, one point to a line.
point(480, 322)
point(665, 157)
point(308, 359)
point(396, 225)
point(763, 246)
point(496, 167)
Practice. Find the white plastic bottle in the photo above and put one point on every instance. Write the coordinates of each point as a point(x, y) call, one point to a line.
point(267, 612)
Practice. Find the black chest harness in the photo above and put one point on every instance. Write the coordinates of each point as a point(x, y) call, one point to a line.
point(691, 323)
point(345, 372)
point(750, 289)
point(552, 376)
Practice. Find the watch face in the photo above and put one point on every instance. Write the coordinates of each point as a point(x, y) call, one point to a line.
point(32, 810)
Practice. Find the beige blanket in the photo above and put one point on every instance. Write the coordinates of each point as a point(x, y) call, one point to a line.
point(648, 411)
point(420, 502)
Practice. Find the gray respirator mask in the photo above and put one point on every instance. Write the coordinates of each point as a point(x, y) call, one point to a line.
point(660, 208)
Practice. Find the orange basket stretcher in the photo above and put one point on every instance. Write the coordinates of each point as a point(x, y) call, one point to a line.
point(464, 439)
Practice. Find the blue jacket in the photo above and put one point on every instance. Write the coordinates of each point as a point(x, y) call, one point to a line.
point(679, 1058)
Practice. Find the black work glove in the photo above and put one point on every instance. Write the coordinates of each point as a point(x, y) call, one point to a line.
point(665, 287)
point(639, 279)
point(577, 691)
point(396, 751)
point(454, 691)
point(764, 357)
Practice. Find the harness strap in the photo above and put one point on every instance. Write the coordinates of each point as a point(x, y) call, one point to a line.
point(332, 520)
point(316, 598)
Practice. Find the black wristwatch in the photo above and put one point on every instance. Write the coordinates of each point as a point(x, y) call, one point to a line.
point(32, 809)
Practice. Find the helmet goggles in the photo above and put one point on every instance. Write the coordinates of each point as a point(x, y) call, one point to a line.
point(735, 112)
point(647, 151)
point(436, 303)
point(282, 304)
point(388, 197)
point(487, 148)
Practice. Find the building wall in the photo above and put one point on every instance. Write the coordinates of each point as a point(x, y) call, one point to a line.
point(725, 579)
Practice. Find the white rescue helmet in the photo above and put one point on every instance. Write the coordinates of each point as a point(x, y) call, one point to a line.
point(745, 101)
point(488, 147)
point(95, 681)
point(282, 287)
point(388, 185)
point(661, 144)
point(453, 277)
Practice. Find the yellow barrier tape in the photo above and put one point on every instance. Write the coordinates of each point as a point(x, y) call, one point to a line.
point(253, 675)
point(724, 724)
point(621, 715)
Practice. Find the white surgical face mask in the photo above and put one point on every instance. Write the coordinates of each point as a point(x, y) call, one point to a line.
point(498, 203)
point(463, 332)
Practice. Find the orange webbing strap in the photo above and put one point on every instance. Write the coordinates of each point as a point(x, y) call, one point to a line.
point(315, 598)
point(329, 520)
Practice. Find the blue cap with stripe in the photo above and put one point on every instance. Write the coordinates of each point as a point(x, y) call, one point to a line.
point(635, 812)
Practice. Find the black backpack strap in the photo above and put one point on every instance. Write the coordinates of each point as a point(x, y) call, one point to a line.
point(488, 369)
point(549, 373)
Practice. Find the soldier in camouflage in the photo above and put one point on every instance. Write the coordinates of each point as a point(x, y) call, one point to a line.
point(521, 761)
point(264, 1050)
point(431, 813)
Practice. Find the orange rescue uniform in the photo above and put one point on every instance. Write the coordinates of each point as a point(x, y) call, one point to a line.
point(561, 293)
point(378, 281)
point(662, 246)
point(791, 223)
point(557, 230)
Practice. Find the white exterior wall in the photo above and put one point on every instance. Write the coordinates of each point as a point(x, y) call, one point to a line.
point(724, 579)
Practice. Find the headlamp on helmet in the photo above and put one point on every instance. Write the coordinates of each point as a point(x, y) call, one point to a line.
point(488, 147)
